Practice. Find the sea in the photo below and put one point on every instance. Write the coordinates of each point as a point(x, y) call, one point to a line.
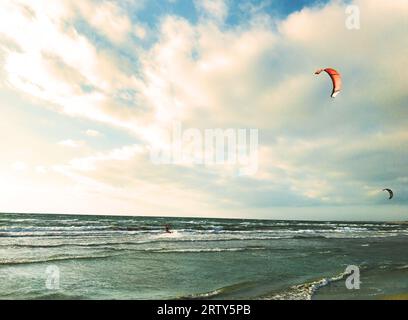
point(44, 256)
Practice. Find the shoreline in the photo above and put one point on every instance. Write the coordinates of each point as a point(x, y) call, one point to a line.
point(400, 296)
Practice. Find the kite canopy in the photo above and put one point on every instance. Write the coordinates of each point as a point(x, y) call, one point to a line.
point(390, 192)
point(336, 80)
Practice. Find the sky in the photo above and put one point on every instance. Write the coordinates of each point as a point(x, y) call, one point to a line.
point(89, 88)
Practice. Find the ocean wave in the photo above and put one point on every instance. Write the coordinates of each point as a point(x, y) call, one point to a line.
point(8, 262)
point(127, 238)
point(202, 250)
point(219, 292)
point(85, 245)
point(84, 228)
point(59, 296)
point(77, 233)
point(305, 291)
point(404, 267)
point(203, 296)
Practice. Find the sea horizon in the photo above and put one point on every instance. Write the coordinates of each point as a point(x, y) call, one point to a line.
point(201, 217)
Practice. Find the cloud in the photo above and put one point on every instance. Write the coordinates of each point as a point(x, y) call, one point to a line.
point(62, 67)
point(214, 9)
point(92, 133)
point(20, 166)
point(140, 32)
point(41, 170)
point(315, 151)
point(107, 18)
point(71, 143)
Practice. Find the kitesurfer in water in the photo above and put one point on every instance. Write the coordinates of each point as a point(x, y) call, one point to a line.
point(167, 227)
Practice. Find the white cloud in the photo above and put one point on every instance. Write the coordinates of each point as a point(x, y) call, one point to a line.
point(107, 18)
point(92, 133)
point(140, 32)
point(20, 166)
point(71, 143)
point(41, 169)
point(217, 9)
point(54, 64)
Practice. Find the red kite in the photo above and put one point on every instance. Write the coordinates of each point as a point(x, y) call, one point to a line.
point(336, 79)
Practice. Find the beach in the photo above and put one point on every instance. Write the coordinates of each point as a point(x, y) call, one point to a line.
point(113, 257)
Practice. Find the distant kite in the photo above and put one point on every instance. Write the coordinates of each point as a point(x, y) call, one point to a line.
point(336, 80)
point(390, 192)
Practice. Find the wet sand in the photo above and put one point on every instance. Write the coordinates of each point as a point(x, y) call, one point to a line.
point(403, 296)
